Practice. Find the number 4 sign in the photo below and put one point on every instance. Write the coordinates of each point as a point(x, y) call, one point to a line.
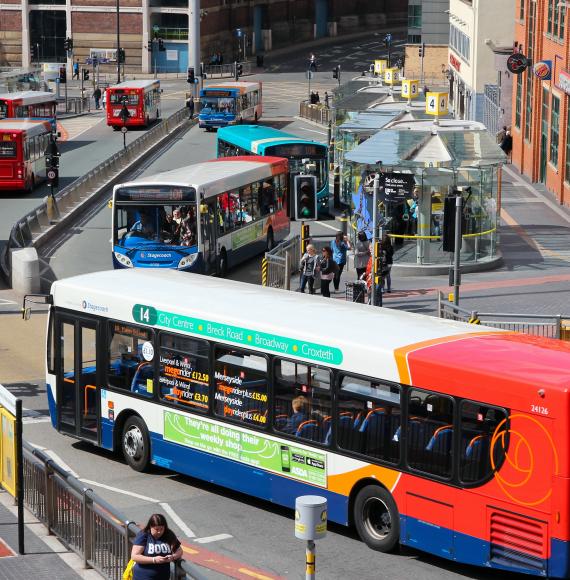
point(410, 89)
point(436, 103)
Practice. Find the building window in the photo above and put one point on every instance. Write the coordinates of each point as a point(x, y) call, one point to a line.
point(567, 164)
point(561, 29)
point(551, 9)
point(556, 15)
point(521, 10)
point(528, 107)
point(414, 38)
point(554, 124)
point(460, 42)
point(518, 102)
point(414, 16)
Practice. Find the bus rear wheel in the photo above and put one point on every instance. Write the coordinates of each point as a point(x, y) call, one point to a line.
point(376, 518)
point(135, 443)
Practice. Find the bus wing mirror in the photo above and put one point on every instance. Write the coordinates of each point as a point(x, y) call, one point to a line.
point(27, 313)
point(110, 204)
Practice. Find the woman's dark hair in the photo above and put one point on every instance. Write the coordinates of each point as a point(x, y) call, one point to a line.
point(362, 237)
point(339, 235)
point(328, 251)
point(168, 536)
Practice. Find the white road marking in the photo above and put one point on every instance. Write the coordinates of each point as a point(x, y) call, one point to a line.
point(213, 538)
point(335, 228)
point(53, 455)
point(313, 131)
point(178, 520)
point(118, 490)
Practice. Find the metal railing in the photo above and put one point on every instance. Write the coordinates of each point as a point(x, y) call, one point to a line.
point(492, 108)
point(214, 71)
point(280, 263)
point(74, 105)
point(318, 113)
point(53, 214)
point(550, 326)
point(84, 522)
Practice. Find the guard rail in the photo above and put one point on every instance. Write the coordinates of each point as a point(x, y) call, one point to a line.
point(280, 262)
point(84, 522)
point(55, 213)
point(318, 113)
point(74, 105)
point(214, 71)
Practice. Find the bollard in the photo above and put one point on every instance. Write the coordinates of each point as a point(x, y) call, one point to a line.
point(264, 268)
point(336, 187)
point(310, 525)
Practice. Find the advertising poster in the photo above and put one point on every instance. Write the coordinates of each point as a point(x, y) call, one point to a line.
point(181, 381)
point(8, 451)
point(254, 449)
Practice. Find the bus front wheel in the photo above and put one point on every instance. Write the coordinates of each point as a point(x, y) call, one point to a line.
point(376, 518)
point(136, 444)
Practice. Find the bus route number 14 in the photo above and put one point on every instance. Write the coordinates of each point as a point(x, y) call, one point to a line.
point(144, 314)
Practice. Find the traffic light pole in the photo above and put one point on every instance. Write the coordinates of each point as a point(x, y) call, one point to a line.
point(118, 45)
point(374, 270)
point(457, 249)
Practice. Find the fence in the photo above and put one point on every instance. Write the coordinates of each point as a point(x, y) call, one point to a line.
point(280, 263)
point(83, 521)
point(53, 214)
point(74, 105)
point(492, 108)
point(317, 113)
point(214, 71)
point(550, 326)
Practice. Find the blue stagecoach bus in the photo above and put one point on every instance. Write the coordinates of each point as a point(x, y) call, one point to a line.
point(302, 154)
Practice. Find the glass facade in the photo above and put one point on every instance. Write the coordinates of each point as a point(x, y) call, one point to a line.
point(414, 16)
point(48, 33)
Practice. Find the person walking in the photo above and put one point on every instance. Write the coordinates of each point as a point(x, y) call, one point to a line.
point(104, 100)
point(361, 254)
point(507, 144)
point(327, 100)
point(328, 267)
point(309, 269)
point(190, 105)
point(76, 70)
point(97, 97)
point(339, 246)
point(501, 134)
point(387, 261)
point(153, 550)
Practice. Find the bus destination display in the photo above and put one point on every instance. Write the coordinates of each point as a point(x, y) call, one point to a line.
point(302, 149)
point(156, 194)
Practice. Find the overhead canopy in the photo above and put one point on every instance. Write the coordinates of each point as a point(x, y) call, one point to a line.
point(369, 121)
point(425, 148)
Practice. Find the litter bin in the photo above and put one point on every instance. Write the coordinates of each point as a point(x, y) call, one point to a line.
point(259, 60)
point(356, 292)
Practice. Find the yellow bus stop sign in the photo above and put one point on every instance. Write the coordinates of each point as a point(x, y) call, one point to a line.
point(391, 76)
point(410, 89)
point(436, 103)
point(380, 66)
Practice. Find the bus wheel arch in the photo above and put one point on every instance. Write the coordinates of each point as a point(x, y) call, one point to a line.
point(135, 442)
point(374, 514)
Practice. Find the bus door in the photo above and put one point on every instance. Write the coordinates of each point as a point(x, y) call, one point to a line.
point(208, 233)
point(77, 377)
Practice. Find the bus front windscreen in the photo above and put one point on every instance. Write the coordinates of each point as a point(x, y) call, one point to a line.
point(142, 226)
point(217, 105)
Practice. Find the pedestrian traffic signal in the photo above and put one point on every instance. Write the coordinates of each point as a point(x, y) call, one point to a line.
point(161, 46)
point(336, 72)
point(85, 73)
point(191, 77)
point(305, 197)
point(421, 50)
point(68, 44)
point(239, 70)
point(62, 75)
point(121, 55)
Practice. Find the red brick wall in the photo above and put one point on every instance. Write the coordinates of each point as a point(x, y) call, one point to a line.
point(92, 22)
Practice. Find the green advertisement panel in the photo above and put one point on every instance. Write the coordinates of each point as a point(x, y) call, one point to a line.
point(246, 447)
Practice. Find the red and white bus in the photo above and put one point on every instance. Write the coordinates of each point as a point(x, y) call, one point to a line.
point(22, 153)
point(142, 99)
point(36, 105)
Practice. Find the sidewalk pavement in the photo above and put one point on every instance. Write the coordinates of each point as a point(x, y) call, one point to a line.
point(45, 557)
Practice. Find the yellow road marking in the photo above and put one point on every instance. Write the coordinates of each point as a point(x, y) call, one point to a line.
point(254, 574)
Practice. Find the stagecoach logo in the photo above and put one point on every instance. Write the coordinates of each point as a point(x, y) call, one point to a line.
point(155, 255)
point(86, 305)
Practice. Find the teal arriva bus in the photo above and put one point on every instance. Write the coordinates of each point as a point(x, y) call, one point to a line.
point(303, 155)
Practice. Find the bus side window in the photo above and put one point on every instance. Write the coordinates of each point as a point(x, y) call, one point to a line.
point(131, 365)
point(241, 386)
point(302, 400)
point(479, 427)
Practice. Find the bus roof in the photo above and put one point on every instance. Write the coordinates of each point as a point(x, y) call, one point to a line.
point(31, 127)
point(136, 84)
point(215, 176)
point(242, 86)
point(29, 97)
point(378, 342)
point(257, 138)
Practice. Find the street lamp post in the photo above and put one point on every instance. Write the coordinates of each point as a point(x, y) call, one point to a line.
point(118, 45)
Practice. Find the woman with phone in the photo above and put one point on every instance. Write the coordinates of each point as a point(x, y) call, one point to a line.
point(153, 550)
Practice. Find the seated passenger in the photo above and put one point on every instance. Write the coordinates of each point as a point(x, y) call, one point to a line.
point(144, 226)
point(300, 406)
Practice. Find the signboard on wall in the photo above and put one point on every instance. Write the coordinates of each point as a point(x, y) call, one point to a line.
point(543, 70)
point(171, 55)
point(564, 81)
point(397, 186)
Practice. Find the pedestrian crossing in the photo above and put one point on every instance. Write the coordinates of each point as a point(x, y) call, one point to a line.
point(287, 92)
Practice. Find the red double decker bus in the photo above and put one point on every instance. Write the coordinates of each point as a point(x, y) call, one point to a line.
point(140, 98)
point(22, 153)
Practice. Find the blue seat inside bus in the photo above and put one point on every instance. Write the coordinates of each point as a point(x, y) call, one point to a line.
point(309, 430)
point(139, 383)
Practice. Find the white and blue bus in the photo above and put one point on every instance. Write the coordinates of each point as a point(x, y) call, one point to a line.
point(205, 217)
point(304, 155)
point(230, 103)
point(440, 435)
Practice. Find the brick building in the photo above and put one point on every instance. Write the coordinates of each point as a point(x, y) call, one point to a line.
point(540, 122)
point(35, 30)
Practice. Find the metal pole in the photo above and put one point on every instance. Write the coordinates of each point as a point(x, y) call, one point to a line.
point(194, 38)
point(376, 190)
point(457, 252)
point(309, 73)
point(118, 45)
point(20, 476)
point(310, 568)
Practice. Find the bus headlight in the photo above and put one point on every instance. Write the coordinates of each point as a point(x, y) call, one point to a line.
point(187, 261)
point(124, 260)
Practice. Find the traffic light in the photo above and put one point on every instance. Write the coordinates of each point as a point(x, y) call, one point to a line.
point(191, 77)
point(305, 197)
point(336, 72)
point(239, 70)
point(121, 55)
point(161, 46)
point(62, 75)
point(149, 47)
point(449, 213)
point(421, 50)
point(68, 44)
point(85, 74)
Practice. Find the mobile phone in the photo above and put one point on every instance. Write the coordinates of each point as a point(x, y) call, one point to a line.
point(285, 458)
